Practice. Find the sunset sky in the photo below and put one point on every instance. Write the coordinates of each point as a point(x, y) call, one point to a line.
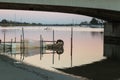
point(42, 17)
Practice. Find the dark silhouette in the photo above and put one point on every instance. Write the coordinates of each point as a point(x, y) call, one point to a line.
point(106, 69)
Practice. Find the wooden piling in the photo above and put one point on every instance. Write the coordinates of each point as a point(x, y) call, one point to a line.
point(21, 47)
point(41, 47)
point(53, 44)
point(11, 46)
point(15, 39)
point(4, 42)
point(71, 50)
point(23, 43)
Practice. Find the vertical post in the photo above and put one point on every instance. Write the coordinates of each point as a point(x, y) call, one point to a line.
point(0, 44)
point(4, 42)
point(41, 51)
point(0, 41)
point(23, 43)
point(53, 44)
point(59, 56)
point(71, 44)
point(15, 39)
point(11, 46)
point(15, 42)
point(21, 47)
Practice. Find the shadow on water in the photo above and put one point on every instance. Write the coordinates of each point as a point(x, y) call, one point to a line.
point(106, 69)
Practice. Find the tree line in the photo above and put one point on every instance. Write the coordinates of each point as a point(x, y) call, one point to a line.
point(5, 22)
point(93, 21)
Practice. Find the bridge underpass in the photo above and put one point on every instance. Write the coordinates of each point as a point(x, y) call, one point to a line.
point(102, 9)
point(106, 10)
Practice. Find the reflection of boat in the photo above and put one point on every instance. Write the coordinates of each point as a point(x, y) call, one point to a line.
point(47, 28)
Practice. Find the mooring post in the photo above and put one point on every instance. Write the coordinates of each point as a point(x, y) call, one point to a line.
point(20, 47)
point(53, 44)
point(0, 41)
point(41, 47)
point(15, 42)
point(11, 46)
point(4, 43)
point(71, 44)
point(15, 39)
point(23, 43)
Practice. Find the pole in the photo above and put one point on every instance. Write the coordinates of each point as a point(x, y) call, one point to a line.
point(4, 42)
point(23, 43)
point(21, 47)
point(53, 44)
point(11, 46)
point(15, 39)
point(71, 44)
point(41, 47)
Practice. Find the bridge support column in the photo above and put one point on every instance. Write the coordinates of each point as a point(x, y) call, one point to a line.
point(112, 40)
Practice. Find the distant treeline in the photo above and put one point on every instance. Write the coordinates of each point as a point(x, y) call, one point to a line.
point(5, 23)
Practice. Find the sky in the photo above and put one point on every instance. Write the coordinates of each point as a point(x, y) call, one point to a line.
point(42, 17)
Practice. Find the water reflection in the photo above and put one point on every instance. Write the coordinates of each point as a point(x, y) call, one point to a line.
point(97, 34)
point(87, 45)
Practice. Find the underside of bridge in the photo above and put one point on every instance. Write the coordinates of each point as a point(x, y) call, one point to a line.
point(108, 15)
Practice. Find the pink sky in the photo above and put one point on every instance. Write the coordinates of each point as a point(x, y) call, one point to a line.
point(42, 17)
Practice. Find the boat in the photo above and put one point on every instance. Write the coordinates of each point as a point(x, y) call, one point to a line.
point(47, 28)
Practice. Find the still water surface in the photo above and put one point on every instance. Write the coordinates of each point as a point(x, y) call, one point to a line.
point(87, 45)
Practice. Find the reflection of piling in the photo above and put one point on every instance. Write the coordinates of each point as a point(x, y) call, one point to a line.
point(4, 43)
point(23, 43)
point(15, 43)
point(59, 57)
point(15, 39)
point(21, 47)
point(53, 49)
point(11, 47)
point(41, 47)
point(0, 41)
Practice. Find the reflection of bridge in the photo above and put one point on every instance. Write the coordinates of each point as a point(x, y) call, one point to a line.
point(103, 9)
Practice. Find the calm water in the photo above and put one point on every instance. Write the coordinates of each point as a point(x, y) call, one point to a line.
point(87, 45)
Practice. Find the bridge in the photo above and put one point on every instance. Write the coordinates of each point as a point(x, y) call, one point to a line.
point(103, 9)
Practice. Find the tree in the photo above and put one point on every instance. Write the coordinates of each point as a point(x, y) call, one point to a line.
point(4, 21)
point(94, 21)
point(84, 23)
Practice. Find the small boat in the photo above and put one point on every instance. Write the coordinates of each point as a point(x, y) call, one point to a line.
point(47, 28)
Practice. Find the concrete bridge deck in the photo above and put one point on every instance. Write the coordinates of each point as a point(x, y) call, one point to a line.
point(103, 9)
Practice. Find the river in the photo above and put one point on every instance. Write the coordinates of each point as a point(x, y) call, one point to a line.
point(87, 45)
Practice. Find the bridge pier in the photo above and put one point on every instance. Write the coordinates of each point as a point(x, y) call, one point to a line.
point(112, 40)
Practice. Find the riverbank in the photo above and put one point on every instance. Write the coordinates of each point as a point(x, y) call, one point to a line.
point(102, 70)
point(11, 69)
